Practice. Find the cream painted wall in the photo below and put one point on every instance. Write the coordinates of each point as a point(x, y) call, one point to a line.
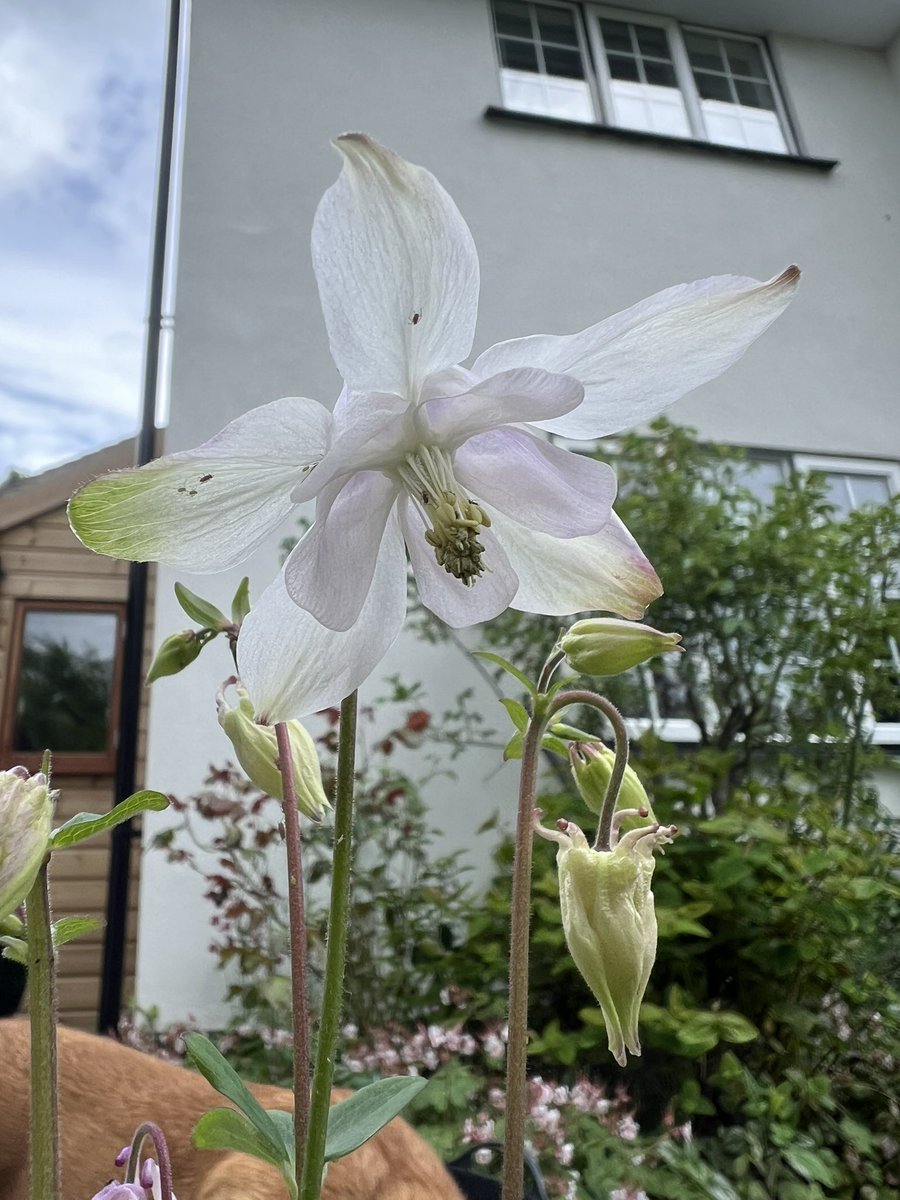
point(570, 228)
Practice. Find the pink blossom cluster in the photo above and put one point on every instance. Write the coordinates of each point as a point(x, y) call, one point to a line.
point(398, 1051)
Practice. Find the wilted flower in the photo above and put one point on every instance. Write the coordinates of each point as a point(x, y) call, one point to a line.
point(26, 811)
point(607, 646)
point(610, 921)
point(422, 455)
point(256, 747)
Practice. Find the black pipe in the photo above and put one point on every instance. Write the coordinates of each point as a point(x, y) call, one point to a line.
point(113, 969)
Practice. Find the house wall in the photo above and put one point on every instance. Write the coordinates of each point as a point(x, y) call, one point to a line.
point(40, 559)
point(569, 228)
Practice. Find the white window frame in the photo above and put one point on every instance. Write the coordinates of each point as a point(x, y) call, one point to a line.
point(596, 72)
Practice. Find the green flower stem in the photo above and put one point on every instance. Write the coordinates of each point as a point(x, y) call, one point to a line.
point(297, 917)
point(615, 718)
point(336, 952)
point(517, 1043)
point(45, 1177)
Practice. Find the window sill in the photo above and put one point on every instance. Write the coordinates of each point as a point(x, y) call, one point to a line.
point(691, 145)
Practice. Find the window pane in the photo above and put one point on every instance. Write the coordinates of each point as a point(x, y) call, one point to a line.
point(521, 56)
point(704, 52)
point(65, 681)
point(836, 492)
point(512, 18)
point(713, 87)
point(754, 95)
point(563, 62)
point(868, 489)
point(652, 40)
point(660, 73)
point(744, 58)
point(616, 37)
point(621, 67)
point(557, 25)
point(760, 476)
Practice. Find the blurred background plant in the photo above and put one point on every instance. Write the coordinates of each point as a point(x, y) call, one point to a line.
point(772, 1025)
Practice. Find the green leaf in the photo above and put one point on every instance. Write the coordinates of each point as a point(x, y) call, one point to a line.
point(67, 928)
point(809, 1165)
point(228, 1129)
point(201, 610)
point(518, 713)
point(509, 668)
point(240, 605)
point(864, 888)
point(86, 825)
point(359, 1117)
point(15, 949)
point(514, 748)
point(732, 1027)
point(223, 1077)
point(557, 745)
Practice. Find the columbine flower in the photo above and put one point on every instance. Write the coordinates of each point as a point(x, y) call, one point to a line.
point(610, 921)
point(422, 455)
point(26, 812)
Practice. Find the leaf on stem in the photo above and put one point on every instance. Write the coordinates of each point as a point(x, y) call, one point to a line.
point(86, 825)
point(359, 1117)
point(201, 610)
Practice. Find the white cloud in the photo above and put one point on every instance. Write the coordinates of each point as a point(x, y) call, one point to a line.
point(79, 95)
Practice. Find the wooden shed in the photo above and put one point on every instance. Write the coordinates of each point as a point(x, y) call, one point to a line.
point(62, 619)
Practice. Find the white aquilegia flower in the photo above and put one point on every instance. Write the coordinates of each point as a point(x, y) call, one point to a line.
point(423, 457)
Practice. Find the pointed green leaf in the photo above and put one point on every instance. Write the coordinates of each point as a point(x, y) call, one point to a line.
point(509, 668)
point(223, 1077)
point(571, 732)
point(227, 1129)
point(515, 748)
point(557, 745)
point(518, 713)
point(15, 949)
point(86, 825)
point(200, 610)
point(240, 605)
point(67, 928)
point(361, 1115)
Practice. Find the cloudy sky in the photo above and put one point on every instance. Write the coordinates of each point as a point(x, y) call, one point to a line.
point(80, 88)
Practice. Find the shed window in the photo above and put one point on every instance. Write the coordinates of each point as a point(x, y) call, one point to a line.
point(63, 687)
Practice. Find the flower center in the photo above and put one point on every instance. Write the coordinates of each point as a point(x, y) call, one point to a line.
point(454, 519)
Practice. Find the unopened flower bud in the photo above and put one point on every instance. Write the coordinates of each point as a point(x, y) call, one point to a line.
point(592, 767)
point(608, 646)
point(26, 812)
point(609, 921)
point(256, 747)
point(176, 653)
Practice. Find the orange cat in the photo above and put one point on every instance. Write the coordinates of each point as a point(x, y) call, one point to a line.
point(107, 1090)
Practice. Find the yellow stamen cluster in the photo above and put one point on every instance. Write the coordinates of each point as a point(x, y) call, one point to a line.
point(454, 536)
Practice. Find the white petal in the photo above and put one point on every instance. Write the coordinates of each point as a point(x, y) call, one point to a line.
point(639, 361)
point(605, 571)
point(330, 569)
point(206, 509)
point(446, 596)
point(293, 666)
point(397, 271)
point(536, 483)
point(523, 395)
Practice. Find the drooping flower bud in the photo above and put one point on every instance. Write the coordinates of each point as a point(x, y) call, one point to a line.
point(177, 652)
point(592, 767)
point(256, 748)
point(610, 921)
point(608, 646)
point(26, 812)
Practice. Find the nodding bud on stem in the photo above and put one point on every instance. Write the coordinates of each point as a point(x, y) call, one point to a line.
point(608, 646)
point(610, 921)
point(26, 812)
point(256, 747)
point(592, 767)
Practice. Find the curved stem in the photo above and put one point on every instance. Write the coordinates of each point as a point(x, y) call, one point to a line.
point(615, 718)
point(45, 1177)
point(517, 1045)
point(299, 991)
point(163, 1161)
point(336, 952)
point(548, 668)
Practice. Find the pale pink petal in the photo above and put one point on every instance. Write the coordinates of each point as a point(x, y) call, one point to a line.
point(536, 483)
point(639, 361)
point(293, 666)
point(605, 571)
point(330, 569)
point(397, 271)
point(207, 509)
point(524, 395)
point(446, 596)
